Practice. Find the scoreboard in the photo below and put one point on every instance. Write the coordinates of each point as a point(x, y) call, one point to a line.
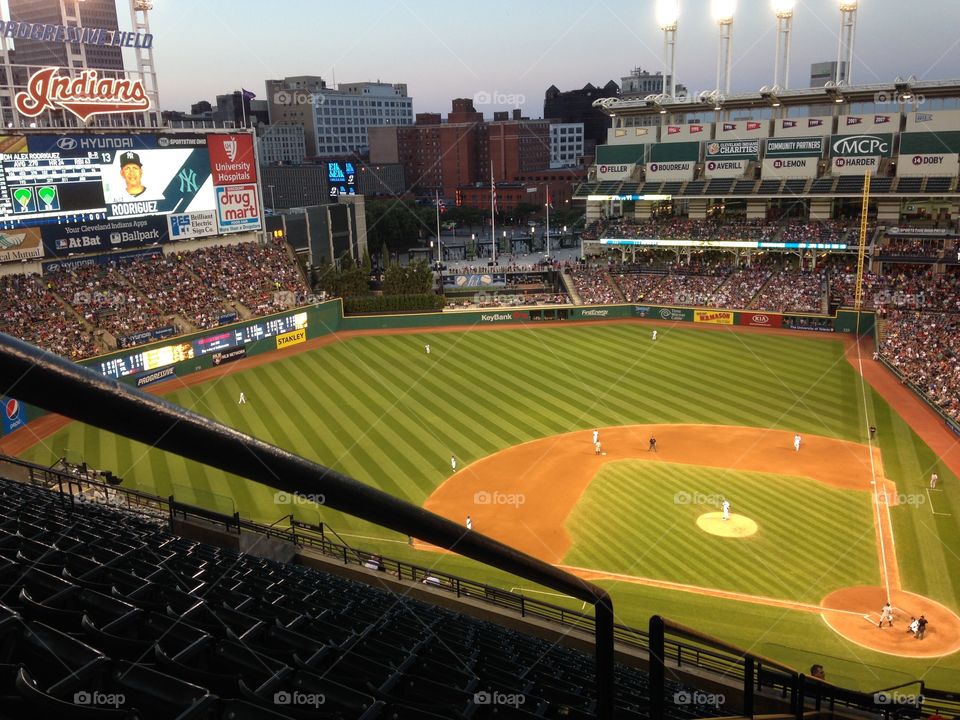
point(158, 357)
point(89, 191)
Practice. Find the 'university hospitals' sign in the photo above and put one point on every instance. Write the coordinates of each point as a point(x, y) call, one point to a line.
point(85, 95)
point(794, 147)
point(789, 167)
point(671, 170)
point(928, 165)
point(615, 172)
point(725, 168)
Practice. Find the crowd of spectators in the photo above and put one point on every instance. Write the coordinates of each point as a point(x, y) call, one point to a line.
point(741, 286)
point(905, 246)
point(509, 299)
point(925, 348)
point(260, 277)
point(792, 290)
point(166, 281)
point(105, 299)
point(679, 228)
point(29, 311)
point(592, 284)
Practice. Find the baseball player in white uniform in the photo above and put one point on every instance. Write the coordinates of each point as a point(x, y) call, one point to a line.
point(933, 481)
point(453, 463)
point(242, 400)
point(596, 447)
point(886, 615)
point(596, 436)
point(726, 509)
point(426, 349)
point(796, 442)
point(469, 523)
point(653, 335)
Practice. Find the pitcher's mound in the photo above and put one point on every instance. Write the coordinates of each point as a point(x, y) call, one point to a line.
point(854, 612)
point(737, 526)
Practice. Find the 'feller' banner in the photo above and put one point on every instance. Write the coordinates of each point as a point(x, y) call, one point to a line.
point(615, 172)
point(713, 317)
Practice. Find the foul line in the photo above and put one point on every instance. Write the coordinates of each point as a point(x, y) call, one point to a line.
point(589, 574)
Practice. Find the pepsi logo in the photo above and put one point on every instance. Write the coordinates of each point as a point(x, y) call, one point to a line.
point(12, 409)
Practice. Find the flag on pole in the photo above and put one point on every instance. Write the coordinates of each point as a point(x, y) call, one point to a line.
point(247, 95)
point(493, 188)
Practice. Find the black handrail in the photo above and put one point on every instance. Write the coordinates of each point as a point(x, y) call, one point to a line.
point(57, 385)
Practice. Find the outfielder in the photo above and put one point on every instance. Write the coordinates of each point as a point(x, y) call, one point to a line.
point(796, 442)
point(933, 481)
point(453, 463)
point(242, 400)
point(653, 335)
point(426, 349)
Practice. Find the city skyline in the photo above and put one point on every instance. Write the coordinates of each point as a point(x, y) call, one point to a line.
point(511, 54)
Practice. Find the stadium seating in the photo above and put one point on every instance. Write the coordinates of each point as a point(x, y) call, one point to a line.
point(104, 614)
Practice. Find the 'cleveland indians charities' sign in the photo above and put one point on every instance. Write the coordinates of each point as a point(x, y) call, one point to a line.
point(85, 95)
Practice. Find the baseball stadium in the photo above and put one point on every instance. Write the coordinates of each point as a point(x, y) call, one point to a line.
point(701, 460)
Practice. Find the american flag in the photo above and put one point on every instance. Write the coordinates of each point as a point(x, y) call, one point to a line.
point(493, 186)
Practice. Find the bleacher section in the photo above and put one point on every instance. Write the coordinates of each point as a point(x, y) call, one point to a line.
point(104, 615)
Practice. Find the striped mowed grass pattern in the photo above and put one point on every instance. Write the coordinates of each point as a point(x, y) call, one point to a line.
point(378, 408)
point(639, 518)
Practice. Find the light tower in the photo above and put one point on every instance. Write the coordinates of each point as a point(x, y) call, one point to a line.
point(668, 11)
point(848, 33)
point(784, 12)
point(146, 68)
point(723, 14)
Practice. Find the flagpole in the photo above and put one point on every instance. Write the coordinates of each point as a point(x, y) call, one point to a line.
point(438, 229)
point(548, 222)
point(493, 214)
point(243, 106)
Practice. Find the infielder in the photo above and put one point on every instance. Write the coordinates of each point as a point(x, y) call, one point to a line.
point(596, 436)
point(469, 523)
point(886, 615)
point(596, 447)
point(796, 443)
point(726, 509)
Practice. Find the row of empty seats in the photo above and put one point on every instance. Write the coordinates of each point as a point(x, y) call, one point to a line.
point(105, 615)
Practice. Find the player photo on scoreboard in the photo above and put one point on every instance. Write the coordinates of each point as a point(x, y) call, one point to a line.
point(150, 182)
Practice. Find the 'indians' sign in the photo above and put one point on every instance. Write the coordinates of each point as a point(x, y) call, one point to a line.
point(86, 95)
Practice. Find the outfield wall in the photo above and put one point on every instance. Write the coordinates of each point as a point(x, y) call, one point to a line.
point(173, 358)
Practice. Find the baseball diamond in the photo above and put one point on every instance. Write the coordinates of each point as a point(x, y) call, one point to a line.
point(839, 524)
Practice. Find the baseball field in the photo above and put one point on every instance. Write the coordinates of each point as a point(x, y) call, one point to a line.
point(816, 541)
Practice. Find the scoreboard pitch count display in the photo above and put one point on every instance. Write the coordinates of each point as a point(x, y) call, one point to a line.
point(165, 355)
point(79, 187)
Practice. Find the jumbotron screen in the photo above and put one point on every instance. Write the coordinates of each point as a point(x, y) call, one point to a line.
point(92, 191)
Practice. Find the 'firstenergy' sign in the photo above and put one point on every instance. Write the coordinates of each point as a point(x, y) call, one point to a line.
point(86, 95)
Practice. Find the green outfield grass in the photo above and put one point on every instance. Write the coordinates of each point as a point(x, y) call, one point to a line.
point(639, 518)
point(381, 410)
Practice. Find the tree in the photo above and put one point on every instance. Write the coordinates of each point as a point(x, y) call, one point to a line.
point(523, 210)
point(367, 264)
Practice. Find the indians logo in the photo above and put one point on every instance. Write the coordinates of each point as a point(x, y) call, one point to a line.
point(85, 95)
point(12, 409)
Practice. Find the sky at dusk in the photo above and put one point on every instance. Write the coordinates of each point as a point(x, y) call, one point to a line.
point(513, 51)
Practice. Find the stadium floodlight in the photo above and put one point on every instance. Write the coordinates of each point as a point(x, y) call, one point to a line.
point(784, 12)
point(723, 14)
point(848, 33)
point(848, 5)
point(668, 12)
point(723, 10)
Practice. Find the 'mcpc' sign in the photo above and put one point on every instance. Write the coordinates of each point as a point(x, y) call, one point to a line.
point(238, 208)
point(231, 159)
